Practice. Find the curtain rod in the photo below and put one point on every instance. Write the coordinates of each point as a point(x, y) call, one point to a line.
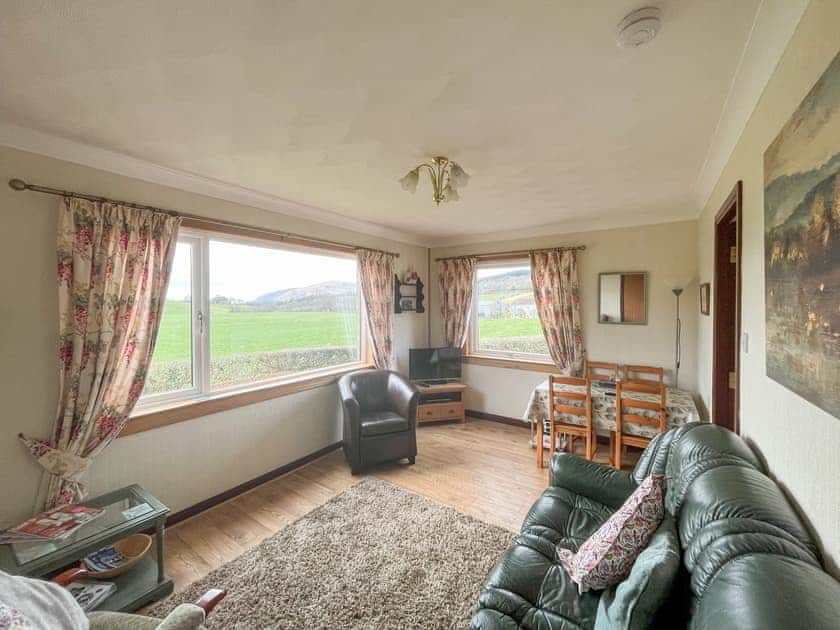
point(20, 185)
point(511, 254)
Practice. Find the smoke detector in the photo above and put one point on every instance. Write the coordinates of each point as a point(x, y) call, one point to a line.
point(639, 27)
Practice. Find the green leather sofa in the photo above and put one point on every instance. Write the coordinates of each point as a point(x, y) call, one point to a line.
point(742, 556)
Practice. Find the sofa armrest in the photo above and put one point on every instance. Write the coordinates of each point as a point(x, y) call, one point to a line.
point(208, 601)
point(184, 617)
point(403, 396)
point(595, 481)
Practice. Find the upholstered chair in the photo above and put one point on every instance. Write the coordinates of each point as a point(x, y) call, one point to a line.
point(380, 410)
point(41, 604)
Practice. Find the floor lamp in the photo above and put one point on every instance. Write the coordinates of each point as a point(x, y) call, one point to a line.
point(677, 347)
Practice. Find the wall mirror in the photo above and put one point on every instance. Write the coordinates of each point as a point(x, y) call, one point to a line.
point(622, 297)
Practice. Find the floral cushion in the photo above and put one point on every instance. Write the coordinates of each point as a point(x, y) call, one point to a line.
point(608, 555)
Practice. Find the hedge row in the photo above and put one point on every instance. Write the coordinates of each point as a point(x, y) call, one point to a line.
point(242, 368)
point(534, 345)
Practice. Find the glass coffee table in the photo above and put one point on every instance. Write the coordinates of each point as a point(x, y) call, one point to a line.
point(128, 511)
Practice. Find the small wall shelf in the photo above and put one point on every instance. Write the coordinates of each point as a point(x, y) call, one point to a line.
point(407, 291)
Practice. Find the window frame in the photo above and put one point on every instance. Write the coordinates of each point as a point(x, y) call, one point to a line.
point(201, 323)
point(196, 341)
point(476, 354)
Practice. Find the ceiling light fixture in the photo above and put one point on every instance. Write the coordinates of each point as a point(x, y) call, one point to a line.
point(639, 27)
point(447, 177)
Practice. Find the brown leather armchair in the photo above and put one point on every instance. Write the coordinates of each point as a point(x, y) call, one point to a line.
point(380, 410)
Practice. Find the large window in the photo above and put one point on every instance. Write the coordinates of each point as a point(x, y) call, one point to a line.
point(505, 321)
point(240, 312)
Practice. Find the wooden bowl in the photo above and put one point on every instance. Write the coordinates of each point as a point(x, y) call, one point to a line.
point(133, 548)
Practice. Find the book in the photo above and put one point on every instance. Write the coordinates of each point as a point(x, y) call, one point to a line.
point(51, 525)
point(89, 593)
point(105, 559)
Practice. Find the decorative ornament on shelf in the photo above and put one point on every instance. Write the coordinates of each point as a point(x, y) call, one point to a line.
point(447, 177)
point(408, 293)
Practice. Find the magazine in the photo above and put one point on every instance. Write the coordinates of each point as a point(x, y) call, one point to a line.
point(51, 525)
point(89, 593)
point(105, 559)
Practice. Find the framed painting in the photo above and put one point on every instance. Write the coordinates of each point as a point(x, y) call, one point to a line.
point(704, 298)
point(802, 247)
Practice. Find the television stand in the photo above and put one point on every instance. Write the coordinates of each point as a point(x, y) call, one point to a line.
point(440, 402)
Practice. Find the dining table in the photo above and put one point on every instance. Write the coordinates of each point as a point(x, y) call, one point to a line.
point(679, 407)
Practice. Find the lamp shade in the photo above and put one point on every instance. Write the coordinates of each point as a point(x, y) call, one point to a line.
point(458, 177)
point(409, 182)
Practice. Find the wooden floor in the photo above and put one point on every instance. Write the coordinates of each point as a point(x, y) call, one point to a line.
point(482, 468)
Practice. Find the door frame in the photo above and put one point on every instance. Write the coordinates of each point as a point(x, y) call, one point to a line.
point(720, 381)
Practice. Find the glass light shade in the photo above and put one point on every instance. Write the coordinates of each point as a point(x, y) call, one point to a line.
point(409, 182)
point(450, 193)
point(458, 177)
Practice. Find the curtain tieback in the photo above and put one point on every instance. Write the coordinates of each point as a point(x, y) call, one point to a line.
point(55, 461)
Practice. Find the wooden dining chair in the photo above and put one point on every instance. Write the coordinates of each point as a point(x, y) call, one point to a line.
point(578, 418)
point(600, 370)
point(644, 374)
point(627, 414)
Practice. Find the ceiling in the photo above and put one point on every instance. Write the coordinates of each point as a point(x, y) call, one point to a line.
point(327, 104)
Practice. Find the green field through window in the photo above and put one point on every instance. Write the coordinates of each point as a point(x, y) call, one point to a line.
point(255, 331)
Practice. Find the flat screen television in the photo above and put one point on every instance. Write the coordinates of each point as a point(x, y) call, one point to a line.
point(434, 364)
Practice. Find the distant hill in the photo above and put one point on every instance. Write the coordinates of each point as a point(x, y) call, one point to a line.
point(519, 280)
point(324, 296)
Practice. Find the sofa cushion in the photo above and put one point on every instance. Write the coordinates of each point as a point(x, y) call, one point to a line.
point(761, 591)
point(654, 458)
point(600, 483)
point(528, 589)
point(382, 422)
point(698, 449)
point(738, 494)
point(564, 518)
point(608, 555)
point(634, 603)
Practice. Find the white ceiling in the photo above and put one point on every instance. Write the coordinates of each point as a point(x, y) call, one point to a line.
point(329, 103)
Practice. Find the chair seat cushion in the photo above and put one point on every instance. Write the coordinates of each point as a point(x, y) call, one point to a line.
point(382, 422)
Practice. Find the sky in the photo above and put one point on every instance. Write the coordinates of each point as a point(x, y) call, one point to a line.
point(488, 272)
point(248, 271)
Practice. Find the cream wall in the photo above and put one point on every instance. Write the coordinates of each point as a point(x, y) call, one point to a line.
point(668, 252)
point(183, 463)
point(799, 441)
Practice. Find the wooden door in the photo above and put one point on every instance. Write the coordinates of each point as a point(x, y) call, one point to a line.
point(727, 312)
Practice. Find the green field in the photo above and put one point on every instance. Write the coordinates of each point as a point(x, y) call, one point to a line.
point(251, 331)
point(502, 328)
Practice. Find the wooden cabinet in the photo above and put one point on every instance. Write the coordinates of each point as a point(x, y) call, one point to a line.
point(441, 402)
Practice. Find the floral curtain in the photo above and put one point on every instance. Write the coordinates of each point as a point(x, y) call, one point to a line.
point(456, 279)
point(377, 278)
point(555, 280)
point(113, 268)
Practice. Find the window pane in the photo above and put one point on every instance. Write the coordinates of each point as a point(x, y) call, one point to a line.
point(275, 312)
point(507, 315)
point(171, 367)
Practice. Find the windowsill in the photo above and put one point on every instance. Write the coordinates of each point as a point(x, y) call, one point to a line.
point(163, 415)
point(514, 364)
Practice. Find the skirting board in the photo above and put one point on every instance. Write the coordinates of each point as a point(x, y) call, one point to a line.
point(481, 415)
point(199, 507)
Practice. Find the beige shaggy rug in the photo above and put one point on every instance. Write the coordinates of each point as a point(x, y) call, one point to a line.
point(375, 556)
